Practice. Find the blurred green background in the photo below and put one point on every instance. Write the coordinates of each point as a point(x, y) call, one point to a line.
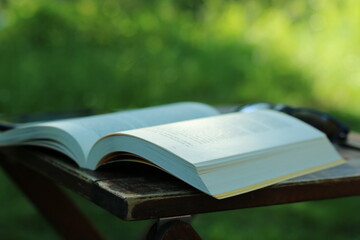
point(61, 55)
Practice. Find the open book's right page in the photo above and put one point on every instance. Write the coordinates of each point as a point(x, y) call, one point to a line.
point(228, 154)
point(212, 139)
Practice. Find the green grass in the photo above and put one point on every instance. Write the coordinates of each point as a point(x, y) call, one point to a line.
point(106, 55)
point(311, 220)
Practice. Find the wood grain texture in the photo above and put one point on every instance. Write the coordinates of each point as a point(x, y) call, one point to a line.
point(134, 192)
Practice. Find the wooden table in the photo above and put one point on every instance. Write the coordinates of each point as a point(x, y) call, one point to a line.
point(141, 192)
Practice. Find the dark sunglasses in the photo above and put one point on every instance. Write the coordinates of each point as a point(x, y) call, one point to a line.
point(335, 130)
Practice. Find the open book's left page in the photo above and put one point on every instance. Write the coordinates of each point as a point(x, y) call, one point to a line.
point(75, 137)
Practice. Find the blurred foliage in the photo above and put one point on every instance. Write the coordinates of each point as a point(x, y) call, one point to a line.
point(330, 219)
point(59, 54)
point(110, 54)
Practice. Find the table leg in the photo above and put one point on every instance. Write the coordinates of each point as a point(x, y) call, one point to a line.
point(173, 228)
point(51, 201)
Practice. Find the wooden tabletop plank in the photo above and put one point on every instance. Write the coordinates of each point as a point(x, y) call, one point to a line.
point(149, 197)
point(135, 192)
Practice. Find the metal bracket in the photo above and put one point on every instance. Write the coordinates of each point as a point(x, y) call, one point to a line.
point(184, 218)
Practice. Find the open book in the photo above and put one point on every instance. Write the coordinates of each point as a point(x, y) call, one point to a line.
point(220, 154)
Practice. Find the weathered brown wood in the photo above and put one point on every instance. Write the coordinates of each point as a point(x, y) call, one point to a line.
point(51, 201)
point(164, 199)
point(157, 195)
point(139, 192)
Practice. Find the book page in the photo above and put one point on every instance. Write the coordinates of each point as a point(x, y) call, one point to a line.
point(212, 139)
point(87, 130)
